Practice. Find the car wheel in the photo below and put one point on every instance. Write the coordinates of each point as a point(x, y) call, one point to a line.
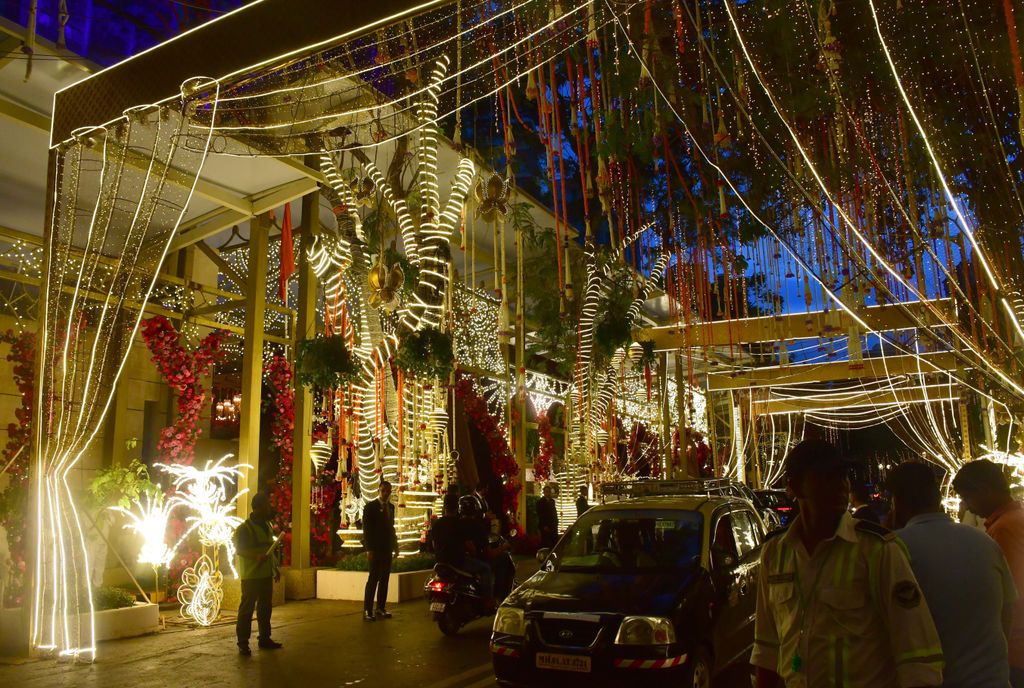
point(698, 674)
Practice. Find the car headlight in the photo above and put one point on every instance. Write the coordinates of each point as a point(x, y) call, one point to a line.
point(645, 630)
point(510, 621)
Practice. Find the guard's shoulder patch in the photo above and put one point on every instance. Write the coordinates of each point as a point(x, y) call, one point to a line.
point(906, 594)
point(878, 531)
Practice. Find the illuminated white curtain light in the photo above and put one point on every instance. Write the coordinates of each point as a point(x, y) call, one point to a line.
point(116, 207)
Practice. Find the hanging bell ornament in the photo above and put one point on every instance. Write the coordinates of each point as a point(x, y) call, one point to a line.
point(362, 190)
point(492, 198)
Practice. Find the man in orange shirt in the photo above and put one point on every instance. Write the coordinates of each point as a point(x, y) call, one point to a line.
point(986, 492)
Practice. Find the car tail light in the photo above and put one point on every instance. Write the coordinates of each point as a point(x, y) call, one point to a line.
point(785, 508)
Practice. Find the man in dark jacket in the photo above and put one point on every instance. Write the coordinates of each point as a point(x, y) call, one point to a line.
point(254, 543)
point(547, 518)
point(582, 505)
point(381, 543)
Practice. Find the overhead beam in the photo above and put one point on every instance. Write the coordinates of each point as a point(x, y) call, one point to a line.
point(213, 49)
point(833, 371)
point(225, 267)
point(867, 400)
point(789, 327)
point(46, 46)
point(23, 115)
point(217, 221)
point(203, 188)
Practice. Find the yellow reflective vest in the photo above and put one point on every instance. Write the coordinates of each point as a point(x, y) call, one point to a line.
point(254, 535)
point(851, 616)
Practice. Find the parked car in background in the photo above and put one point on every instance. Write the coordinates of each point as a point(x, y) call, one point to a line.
point(655, 589)
point(776, 502)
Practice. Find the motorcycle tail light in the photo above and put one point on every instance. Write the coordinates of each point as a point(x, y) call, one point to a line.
point(438, 586)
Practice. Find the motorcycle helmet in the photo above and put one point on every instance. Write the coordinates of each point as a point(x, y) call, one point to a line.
point(469, 506)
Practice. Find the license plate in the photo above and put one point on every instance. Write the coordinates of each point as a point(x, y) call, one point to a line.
point(437, 606)
point(577, 663)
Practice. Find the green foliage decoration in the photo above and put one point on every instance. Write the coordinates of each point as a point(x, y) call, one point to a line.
point(360, 562)
point(324, 362)
point(108, 597)
point(426, 353)
point(121, 485)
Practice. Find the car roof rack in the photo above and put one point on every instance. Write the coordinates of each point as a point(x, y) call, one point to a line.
point(654, 488)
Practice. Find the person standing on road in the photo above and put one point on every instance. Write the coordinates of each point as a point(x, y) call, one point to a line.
point(582, 505)
point(964, 578)
point(547, 518)
point(254, 544)
point(837, 601)
point(986, 492)
point(381, 543)
point(860, 500)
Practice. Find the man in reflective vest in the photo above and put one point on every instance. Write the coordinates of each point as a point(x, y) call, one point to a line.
point(254, 542)
point(837, 602)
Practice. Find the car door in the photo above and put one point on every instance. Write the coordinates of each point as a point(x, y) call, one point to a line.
point(749, 537)
point(728, 615)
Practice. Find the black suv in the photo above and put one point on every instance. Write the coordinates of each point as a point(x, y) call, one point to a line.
point(653, 589)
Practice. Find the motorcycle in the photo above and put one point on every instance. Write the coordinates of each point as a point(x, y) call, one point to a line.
point(454, 596)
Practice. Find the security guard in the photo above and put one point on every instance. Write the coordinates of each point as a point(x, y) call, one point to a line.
point(837, 602)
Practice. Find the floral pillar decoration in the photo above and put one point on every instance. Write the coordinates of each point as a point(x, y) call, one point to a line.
point(14, 463)
point(183, 371)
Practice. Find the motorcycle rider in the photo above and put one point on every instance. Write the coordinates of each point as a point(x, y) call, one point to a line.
point(459, 538)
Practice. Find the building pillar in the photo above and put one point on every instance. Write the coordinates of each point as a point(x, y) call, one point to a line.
point(300, 578)
point(252, 364)
point(114, 428)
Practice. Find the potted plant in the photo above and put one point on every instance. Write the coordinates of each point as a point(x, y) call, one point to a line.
point(324, 362)
point(426, 354)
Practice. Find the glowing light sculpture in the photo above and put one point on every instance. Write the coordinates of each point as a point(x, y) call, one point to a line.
point(204, 493)
point(148, 519)
point(201, 591)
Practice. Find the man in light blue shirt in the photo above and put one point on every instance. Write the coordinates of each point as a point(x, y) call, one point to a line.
point(964, 577)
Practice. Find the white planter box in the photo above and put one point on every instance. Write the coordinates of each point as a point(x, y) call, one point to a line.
point(233, 594)
point(13, 631)
point(128, 622)
point(332, 584)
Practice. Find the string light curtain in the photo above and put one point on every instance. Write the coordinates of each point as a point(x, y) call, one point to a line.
point(120, 192)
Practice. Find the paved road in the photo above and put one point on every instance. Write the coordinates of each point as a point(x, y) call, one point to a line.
point(327, 645)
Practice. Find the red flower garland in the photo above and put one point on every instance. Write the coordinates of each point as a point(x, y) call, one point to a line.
point(279, 396)
point(183, 371)
point(17, 454)
point(503, 462)
point(546, 451)
point(279, 400)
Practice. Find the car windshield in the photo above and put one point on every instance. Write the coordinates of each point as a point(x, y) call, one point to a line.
point(634, 540)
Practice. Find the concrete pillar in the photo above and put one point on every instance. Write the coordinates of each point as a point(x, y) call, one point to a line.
point(300, 579)
point(252, 363)
point(114, 428)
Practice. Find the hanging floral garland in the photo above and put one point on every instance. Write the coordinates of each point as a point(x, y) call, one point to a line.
point(183, 371)
point(546, 451)
point(503, 463)
point(16, 456)
point(279, 403)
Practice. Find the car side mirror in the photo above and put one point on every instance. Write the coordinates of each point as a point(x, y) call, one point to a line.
point(722, 560)
point(542, 554)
